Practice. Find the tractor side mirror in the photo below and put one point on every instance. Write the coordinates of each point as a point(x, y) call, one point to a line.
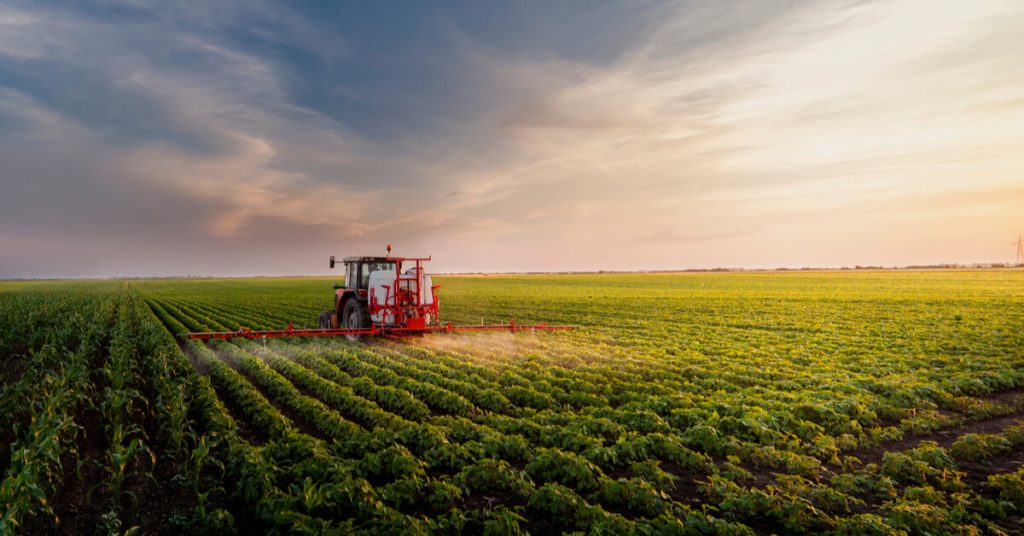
point(332, 261)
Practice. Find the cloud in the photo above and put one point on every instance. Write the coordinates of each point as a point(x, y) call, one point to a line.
point(190, 131)
point(697, 134)
point(809, 98)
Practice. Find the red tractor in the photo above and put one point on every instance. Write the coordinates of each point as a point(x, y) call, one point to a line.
point(382, 292)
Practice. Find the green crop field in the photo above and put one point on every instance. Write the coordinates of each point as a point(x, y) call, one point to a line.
point(728, 403)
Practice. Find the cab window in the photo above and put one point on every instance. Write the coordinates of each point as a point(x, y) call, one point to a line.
point(350, 275)
point(368, 267)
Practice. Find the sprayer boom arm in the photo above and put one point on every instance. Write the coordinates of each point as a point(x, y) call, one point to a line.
point(385, 331)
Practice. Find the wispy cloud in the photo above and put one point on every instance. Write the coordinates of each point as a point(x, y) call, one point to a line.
point(697, 134)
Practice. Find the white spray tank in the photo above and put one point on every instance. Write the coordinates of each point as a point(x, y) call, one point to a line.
point(379, 290)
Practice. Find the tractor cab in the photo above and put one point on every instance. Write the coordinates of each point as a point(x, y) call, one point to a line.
point(358, 270)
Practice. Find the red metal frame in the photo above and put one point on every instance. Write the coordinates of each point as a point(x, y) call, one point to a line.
point(403, 304)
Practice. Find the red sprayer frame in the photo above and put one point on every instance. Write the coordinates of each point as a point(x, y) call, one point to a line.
point(403, 300)
point(372, 330)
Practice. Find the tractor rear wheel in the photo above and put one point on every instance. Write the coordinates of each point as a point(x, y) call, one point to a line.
point(355, 317)
point(325, 320)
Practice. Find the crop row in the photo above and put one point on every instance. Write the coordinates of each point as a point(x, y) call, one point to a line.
point(98, 407)
point(788, 403)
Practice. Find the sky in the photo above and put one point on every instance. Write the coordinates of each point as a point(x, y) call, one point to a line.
point(146, 138)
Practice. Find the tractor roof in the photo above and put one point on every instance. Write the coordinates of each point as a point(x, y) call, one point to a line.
point(369, 259)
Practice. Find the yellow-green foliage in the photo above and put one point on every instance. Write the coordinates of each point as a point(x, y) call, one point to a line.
point(684, 403)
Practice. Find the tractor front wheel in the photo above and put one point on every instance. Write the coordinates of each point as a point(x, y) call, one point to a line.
point(355, 317)
point(325, 320)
